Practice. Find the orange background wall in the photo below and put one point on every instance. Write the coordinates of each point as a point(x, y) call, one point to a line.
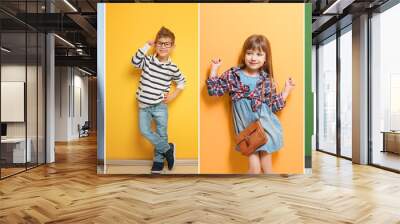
point(223, 29)
point(128, 27)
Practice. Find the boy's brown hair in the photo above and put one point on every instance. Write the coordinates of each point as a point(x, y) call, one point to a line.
point(258, 42)
point(164, 32)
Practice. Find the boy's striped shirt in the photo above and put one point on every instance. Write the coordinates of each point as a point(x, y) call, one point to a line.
point(156, 77)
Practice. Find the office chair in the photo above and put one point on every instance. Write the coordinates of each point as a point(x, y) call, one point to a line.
point(84, 130)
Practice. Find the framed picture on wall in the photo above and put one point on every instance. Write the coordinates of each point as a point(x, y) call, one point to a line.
point(176, 93)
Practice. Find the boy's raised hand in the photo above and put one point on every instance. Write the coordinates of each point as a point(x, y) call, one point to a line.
point(150, 42)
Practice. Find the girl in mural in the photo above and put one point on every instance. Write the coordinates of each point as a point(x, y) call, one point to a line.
point(244, 84)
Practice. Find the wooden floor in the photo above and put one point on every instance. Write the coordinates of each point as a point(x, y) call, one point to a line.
point(10, 171)
point(70, 191)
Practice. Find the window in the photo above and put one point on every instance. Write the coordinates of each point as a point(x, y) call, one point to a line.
point(346, 75)
point(327, 96)
point(385, 88)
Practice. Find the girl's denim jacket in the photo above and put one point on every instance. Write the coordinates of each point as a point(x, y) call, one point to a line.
point(230, 82)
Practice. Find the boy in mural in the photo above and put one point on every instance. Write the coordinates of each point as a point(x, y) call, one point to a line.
point(158, 71)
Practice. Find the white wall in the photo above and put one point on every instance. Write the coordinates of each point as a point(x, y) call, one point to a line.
point(12, 73)
point(80, 111)
point(71, 94)
point(33, 127)
point(61, 103)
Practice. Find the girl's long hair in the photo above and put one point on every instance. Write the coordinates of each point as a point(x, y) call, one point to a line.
point(258, 42)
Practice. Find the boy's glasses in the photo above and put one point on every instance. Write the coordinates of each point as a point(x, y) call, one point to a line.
point(165, 44)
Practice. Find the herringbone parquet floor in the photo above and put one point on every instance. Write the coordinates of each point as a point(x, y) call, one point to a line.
point(70, 191)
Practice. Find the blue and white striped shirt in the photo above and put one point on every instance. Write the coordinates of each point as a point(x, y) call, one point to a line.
point(156, 77)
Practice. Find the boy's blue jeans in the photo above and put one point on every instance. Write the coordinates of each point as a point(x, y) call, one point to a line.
point(159, 138)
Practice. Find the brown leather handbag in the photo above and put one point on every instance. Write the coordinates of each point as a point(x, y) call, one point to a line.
point(253, 136)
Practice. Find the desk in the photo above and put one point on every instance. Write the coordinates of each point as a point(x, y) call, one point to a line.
point(391, 141)
point(16, 147)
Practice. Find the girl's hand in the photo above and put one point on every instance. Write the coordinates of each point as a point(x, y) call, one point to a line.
point(215, 64)
point(289, 84)
point(150, 42)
